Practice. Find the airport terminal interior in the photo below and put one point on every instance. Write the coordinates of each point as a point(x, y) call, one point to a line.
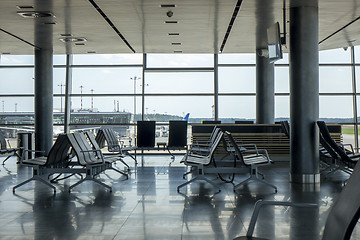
point(165, 119)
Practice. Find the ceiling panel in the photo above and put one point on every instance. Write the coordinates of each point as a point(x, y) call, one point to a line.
point(202, 25)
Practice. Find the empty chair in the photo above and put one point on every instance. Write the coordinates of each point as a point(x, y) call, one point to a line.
point(5, 151)
point(109, 160)
point(349, 159)
point(92, 160)
point(107, 136)
point(44, 166)
point(200, 161)
point(205, 146)
point(252, 159)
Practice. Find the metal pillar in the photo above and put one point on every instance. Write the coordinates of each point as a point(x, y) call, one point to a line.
point(304, 91)
point(43, 71)
point(143, 87)
point(43, 100)
point(216, 87)
point(68, 87)
point(353, 74)
point(265, 90)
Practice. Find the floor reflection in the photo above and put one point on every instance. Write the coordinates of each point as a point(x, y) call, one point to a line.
point(147, 206)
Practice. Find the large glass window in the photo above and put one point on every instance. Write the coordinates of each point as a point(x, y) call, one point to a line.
point(179, 60)
point(107, 59)
point(198, 106)
point(106, 80)
point(338, 107)
point(237, 80)
point(338, 55)
point(242, 107)
point(17, 80)
point(335, 80)
point(179, 82)
point(282, 81)
point(244, 58)
point(282, 107)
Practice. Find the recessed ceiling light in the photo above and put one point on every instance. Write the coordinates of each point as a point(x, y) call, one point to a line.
point(175, 43)
point(24, 7)
point(66, 35)
point(49, 23)
point(35, 14)
point(174, 34)
point(73, 39)
point(171, 21)
point(91, 52)
point(80, 44)
point(5, 53)
point(177, 51)
point(167, 5)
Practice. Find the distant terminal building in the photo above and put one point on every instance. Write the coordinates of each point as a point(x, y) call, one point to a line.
point(79, 120)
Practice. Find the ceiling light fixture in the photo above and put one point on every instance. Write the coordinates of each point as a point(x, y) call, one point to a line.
point(177, 51)
point(72, 39)
point(174, 34)
point(167, 5)
point(91, 52)
point(35, 14)
point(175, 43)
point(171, 21)
point(24, 7)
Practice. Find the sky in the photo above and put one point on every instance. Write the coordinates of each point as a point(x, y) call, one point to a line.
point(231, 80)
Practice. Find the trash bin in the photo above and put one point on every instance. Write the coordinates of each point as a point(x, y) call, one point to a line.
point(24, 141)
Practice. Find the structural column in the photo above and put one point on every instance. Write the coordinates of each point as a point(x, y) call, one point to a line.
point(304, 91)
point(265, 89)
point(68, 89)
point(43, 100)
point(43, 104)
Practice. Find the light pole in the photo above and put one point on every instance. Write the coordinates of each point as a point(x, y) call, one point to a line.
point(81, 102)
point(16, 107)
point(92, 100)
point(61, 92)
point(134, 79)
point(3, 105)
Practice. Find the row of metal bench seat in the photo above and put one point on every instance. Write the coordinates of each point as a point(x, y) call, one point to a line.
point(73, 153)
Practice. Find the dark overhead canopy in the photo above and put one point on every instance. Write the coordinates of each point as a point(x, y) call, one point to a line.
point(153, 26)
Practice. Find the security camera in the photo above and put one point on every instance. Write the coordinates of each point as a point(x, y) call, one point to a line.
point(263, 52)
point(169, 14)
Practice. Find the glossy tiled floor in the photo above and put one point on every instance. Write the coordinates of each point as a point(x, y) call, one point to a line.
point(147, 206)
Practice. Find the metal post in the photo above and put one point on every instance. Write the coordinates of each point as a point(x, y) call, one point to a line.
point(43, 101)
point(92, 100)
point(216, 87)
point(143, 87)
point(68, 87)
point(304, 91)
point(265, 90)
point(354, 98)
point(81, 97)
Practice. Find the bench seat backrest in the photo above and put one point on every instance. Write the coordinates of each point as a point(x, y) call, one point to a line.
point(59, 152)
point(108, 135)
point(237, 150)
point(83, 150)
point(345, 212)
point(2, 141)
point(327, 137)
